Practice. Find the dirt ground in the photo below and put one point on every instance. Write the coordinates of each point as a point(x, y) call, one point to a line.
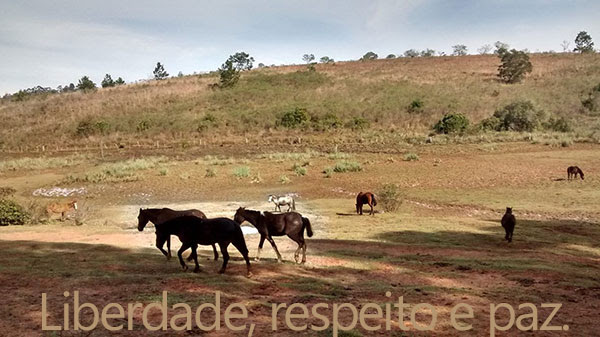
point(444, 246)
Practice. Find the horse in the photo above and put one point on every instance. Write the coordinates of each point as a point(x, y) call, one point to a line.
point(193, 231)
point(365, 198)
point(573, 171)
point(61, 208)
point(159, 215)
point(268, 225)
point(508, 222)
point(281, 200)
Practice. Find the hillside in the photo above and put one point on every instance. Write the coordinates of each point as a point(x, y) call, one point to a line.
point(343, 98)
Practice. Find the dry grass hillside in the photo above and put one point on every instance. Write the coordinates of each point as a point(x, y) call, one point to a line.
point(371, 98)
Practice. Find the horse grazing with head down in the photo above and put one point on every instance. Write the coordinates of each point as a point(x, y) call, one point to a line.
point(365, 198)
point(573, 171)
point(268, 225)
point(193, 231)
point(160, 215)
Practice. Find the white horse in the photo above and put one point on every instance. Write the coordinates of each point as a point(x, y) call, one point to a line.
point(282, 200)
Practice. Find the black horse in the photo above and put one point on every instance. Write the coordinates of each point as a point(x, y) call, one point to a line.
point(573, 171)
point(508, 222)
point(193, 231)
point(268, 224)
point(158, 216)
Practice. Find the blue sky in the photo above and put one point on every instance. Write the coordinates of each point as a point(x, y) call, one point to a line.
point(50, 43)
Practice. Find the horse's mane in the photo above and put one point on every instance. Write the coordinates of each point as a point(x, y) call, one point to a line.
point(251, 211)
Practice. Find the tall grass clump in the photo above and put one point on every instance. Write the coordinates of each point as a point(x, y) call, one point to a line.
point(40, 163)
point(210, 172)
point(390, 198)
point(411, 157)
point(347, 166)
point(241, 172)
point(300, 170)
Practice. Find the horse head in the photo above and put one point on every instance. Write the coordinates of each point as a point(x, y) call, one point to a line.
point(509, 210)
point(73, 204)
point(239, 215)
point(142, 220)
point(271, 198)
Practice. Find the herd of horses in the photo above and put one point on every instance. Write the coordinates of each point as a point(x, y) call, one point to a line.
point(193, 228)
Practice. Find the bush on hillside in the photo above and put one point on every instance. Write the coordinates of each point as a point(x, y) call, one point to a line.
point(294, 118)
point(560, 124)
point(415, 106)
point(12, 213)
point(358, 123)
point(326, 122)
point(389, 198)
point(452, 123)
point(517, 116)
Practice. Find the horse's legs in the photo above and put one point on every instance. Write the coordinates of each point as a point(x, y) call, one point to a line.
point(195, 256)
point(223, 246)
point(360, 207)
point(303, 253)
point(371, 205)
point(240, 244)
point(160, 242)
point(260, 246)
point(184, 246)
point(62, 216)
point(169, 246)
point(215, 252)
point(272, 242)
point(299, 239)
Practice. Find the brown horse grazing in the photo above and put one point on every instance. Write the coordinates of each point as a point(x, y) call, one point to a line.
point(573, 171)
point(193, 231)
point(61, 208)
point(158, 216)
point(268, 225)
point(365, 198)
point(508, 222)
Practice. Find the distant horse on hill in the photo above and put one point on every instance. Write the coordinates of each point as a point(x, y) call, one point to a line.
point(365, 198)
point(508, 222)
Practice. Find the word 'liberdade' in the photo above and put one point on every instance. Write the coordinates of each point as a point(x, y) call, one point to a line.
point(295, 316)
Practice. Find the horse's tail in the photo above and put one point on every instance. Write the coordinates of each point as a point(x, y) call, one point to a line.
point(306, 224)
point(374, 200)
point(293, 203)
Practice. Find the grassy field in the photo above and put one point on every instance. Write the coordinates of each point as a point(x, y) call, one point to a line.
point(347, 102)
point(443, 246)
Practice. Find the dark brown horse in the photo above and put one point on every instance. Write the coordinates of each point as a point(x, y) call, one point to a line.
point(573, 171)
point(193, 231)
point(158, 216)
point(365, 198)
point(268, 225)
point(508, 222)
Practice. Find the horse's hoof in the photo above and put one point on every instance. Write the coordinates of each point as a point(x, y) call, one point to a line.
point(256, 259)
point(222, 271)
point(185, 268)
point(197, 270)
point(249, 275)
point(279, 261)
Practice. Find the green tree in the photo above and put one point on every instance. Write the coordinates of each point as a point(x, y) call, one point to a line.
point(326, 59)
point(485, 49)
point(107, 81)
point(159, 72)
point(119, 81)
point(308, 58)
point(411, 53)
point(369, 56)
point(241, 61)
point(391, 56)
point(501, 48)
point(229, 75)
point(428, 53)
point(515, 65)
point(459, 50)
point(452, 123)
point(583, 43)
point(86, 84)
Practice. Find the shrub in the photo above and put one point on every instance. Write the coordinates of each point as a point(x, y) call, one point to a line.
point(491, 123)
point(583, 43)
point(299, 170)
point(558, 124)
point(284, 179)
point(416, 105)
point(452, 123)
point(163, 172)
point(84, 128)
point(411, 157)
point(6, 192)
point(241, 172)
point(389, 197)
point(159, 72)
point(12, 213)
point(592, 101)
point(328, 171)
point(294, 118)
point(369, 56)
point(143, 125)
point(358, 123)
point(515, 65)
point(206, 122)
point(210, 172)
point(86, 84)
point(108, 82)
point(347, 166)
point(326, 122)
point(519, 116)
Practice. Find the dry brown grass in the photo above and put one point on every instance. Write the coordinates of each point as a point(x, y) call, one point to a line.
point(376, 90)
